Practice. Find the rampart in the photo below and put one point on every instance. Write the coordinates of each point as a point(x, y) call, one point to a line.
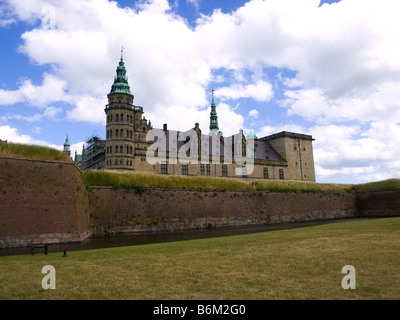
point(41, 202)
point(121, 210)
point(47, 202)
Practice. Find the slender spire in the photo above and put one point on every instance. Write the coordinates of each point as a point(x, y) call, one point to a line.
point(214, 128)
point(66, 143)
point(120, 84)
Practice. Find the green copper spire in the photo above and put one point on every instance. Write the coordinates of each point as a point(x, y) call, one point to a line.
point(121, 81)
point(214, 128)
point(66, 143)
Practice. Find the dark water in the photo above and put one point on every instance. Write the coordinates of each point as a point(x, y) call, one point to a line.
point(119, 240)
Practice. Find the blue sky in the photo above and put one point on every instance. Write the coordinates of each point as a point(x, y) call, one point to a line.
point(329, 69)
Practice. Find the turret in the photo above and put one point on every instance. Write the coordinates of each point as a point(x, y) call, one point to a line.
point(214, 128)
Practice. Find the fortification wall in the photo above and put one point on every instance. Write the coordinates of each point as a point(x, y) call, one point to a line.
point(121, 210)
point(47, 202)
point(41, 202)
point(379, 203)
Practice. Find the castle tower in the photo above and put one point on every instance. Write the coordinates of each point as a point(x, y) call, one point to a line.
point(67, 147)
point(120, 114)
point(126, 128)
point(214, 128)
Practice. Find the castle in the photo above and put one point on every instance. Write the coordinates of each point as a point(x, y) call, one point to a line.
point(133, 144)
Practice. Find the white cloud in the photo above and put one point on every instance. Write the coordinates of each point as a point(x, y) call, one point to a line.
point(344, 56)
point(51, 90)
point(261, 91)
point(290, 127)
point(253, 113)
point(12, 135)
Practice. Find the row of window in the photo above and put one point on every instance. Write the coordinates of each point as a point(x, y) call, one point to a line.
point(120, 117)
point(119, 133)
point(120, 149)
point(205, 169)
point(120, 162)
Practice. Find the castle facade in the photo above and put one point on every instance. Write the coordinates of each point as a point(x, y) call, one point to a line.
point(133, 144)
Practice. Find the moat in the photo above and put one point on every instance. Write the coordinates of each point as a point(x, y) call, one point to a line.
point(132, 239)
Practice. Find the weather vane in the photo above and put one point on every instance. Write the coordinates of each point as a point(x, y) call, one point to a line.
point(122, 51)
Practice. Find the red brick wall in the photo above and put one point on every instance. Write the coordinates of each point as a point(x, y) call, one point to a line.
point(379, 203)
point(41, 199)
point(46, 201)
point(116, 210)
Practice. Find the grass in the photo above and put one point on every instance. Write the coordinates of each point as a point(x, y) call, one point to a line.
point(149, 180)
point(31, 152)
point(301, 186)
point(298, 264)
point(389, 184)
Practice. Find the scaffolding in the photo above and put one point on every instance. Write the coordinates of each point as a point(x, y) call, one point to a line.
point(93, 154)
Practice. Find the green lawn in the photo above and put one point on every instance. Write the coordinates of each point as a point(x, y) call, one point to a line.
point(303, 263)
point(31, 152)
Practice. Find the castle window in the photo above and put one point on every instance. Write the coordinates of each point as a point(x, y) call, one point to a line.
point(266, 175)
point(208, 169)
point(281, 175)
point(116, 162)
point(116, 132)
point(122, 117)
point(127, 149)
point(116, 117)
point(164, 167)
point(111, 118)
point(121, 149)
point(202, 169)
point(130, 150)
point(120, 162)
point(116, 149)
point(224, 170)
point(185, 169)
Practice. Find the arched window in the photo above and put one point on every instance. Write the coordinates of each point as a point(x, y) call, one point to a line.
point(116, 117)
point(116, 132)
point(121, 149)
point(116, 149)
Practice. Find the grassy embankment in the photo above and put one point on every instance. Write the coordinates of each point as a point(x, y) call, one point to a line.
point(304, 263)
point(31, 152)
point(148, 180)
